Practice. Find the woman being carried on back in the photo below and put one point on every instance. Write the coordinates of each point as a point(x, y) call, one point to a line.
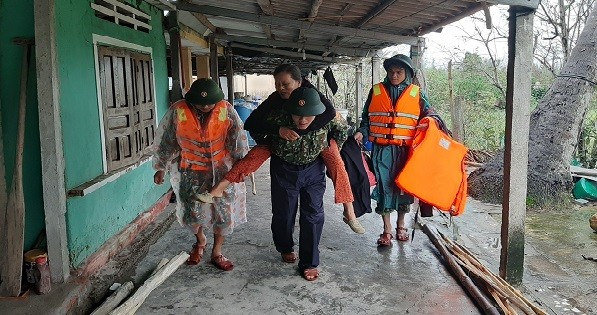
point(287, 79)
point(298, 173)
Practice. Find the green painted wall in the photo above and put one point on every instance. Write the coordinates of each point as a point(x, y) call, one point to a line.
point(16, 20)
point(94, 218)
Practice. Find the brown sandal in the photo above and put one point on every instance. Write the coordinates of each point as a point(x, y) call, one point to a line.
point(196, 254)
point(402, 234)
point(222, 263)
point(311, 274)
point(289, 257)
point(385, 239)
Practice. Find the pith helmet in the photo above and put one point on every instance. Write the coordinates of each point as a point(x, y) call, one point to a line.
point(305, 102)
point(204, 92)
point(399, 60)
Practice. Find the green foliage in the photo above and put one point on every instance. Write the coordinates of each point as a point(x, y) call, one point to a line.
point(484, 117)
point(586, 152)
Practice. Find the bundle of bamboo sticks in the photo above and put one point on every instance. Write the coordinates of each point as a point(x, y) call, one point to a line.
point(465, 264)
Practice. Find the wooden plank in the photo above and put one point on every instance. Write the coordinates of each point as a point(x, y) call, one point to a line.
point(15, 208)
point(114, 299)
point(3, 197)
point(120, 16)
point(133, 303)
point(577, 170)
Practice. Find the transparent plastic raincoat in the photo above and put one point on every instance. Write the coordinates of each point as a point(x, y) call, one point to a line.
point(230, 210)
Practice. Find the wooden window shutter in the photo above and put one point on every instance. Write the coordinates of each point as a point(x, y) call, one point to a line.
point(127, 104)
point(144, 101)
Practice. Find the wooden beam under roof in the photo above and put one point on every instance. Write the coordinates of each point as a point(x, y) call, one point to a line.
point(375, 12)
point(312, 14)
point(348, 51)
point(266, 6)
point(268, 9)
point(315, 27)
point(314, 9)
point(532, 4)
point(470, 11)
point(164, 5)
point(281, 52)
point(203, 20)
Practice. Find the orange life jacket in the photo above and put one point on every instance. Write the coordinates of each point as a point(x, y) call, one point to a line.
point(393, 124)
point(434, 171)
point(201, 145)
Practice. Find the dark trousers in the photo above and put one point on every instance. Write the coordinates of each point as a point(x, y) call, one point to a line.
point(291, 183)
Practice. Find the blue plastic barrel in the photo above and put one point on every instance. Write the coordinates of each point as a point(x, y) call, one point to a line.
point(243, 113)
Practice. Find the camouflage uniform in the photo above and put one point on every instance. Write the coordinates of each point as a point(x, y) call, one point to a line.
point(307, 148)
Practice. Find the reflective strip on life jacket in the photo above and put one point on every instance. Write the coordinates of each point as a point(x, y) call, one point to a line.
point(393, 124)
point(201, 145)
point(377, 135)
point(395, 114)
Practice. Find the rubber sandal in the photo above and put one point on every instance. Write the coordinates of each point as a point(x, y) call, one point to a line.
point(385, 239)
point(354, 225)
point(222, 263)
point(289, 257)
point(196, 254)
point(311, 274)
point(402, 234)
point(206, 197)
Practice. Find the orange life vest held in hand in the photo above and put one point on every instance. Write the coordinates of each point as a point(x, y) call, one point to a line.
point(201, 143)
point(393, 123)
point(434, 171)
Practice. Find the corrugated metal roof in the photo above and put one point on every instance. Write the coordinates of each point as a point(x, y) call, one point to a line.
point(320, 32)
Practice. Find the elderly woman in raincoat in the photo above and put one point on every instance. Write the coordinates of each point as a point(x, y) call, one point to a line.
point(390, 116)
point(199, 139)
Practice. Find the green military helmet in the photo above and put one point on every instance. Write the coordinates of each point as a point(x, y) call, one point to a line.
point(204, 92)
point(305, 102)
point(399, 60)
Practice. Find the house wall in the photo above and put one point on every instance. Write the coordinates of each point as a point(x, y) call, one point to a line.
point(95, 217)
point(16, 20)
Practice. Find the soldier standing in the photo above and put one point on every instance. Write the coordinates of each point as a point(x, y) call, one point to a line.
point(297, 172)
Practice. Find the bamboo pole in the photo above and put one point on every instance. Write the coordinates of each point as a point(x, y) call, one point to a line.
point(475, 261)
point(466, 282)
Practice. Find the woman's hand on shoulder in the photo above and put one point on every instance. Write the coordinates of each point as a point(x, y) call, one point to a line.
point(288, 134)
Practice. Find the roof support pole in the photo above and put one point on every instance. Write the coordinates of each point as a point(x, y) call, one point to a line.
point(174, 32)
point(358, 91)
point(230, 75)
point(50, 131)
point(416, 54)
point(375, 69)
point(202, 67)
point(518, 96)
point(213, 59)
point(187, 67)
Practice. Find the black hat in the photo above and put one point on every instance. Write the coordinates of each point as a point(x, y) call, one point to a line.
point(204, 92)
point(399, 60)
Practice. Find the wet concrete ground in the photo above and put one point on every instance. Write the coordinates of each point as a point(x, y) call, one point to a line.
point(356, 277)
point(555, 273)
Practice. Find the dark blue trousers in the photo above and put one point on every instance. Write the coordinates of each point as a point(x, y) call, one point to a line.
point(291, 183)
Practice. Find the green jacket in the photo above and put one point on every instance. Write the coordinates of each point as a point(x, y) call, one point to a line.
point(307, 148)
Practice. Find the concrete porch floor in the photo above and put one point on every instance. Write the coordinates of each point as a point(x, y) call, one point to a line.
point(356, 277)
